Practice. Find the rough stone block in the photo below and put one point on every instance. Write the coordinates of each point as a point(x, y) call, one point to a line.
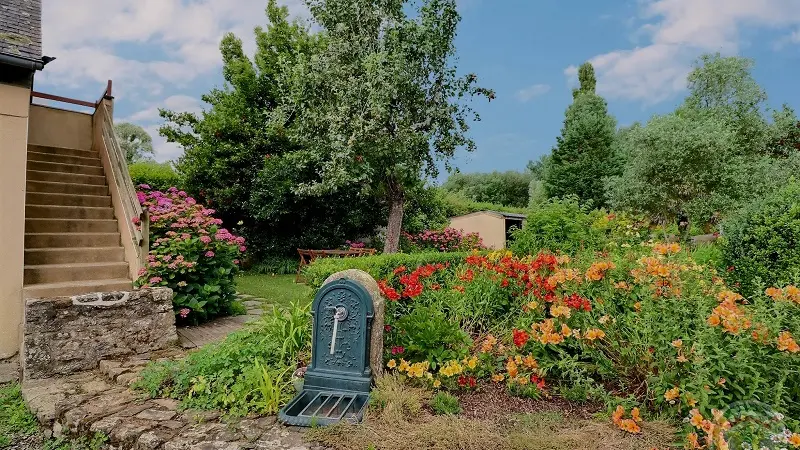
point(69, 334)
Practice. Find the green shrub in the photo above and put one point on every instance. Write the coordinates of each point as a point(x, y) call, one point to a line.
point(159, 176)
point(249, 372)
point(762, 241)
point(558, 226)
point(444, 403)
point(379, 266)
point(15, 418)
point(191, 254)
point(275, 265)
point(457, 205)
point(426, 334)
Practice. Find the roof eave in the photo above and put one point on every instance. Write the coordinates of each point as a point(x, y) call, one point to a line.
point(24, 61)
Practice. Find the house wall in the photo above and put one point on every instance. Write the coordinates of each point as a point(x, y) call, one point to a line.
point(14, 112)
point(60, 128)
point(491, 228)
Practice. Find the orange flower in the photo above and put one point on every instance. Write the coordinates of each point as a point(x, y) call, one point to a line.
point(488, 344)
point(511, 368)
point(666, 249)
point(672, 394)
point(637, 306)
point(565, 331)
point(696, 419)
point(793, 292)
point(794, 439)
point(595, 333)
point(629, 426)
point(713, 320)
point(617, 416)
point(621, 285)
point(677, 343)
point(560, 311)
point(775, 293)
point(786, 343)
point(635, 415)
point(598, 270)
point(530, 362)
point(694, 440)
point(498, 378)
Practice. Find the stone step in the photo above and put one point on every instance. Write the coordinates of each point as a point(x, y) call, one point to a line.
point(84, 153)
point(68, 212)
point(61, 240)
point(61, 177)
point(70, 226)
point(48, 198)
point(67, 255)
point(42, 166)
point(65, 188)
point(58, 273)
point(64, 159)
point(68, 288)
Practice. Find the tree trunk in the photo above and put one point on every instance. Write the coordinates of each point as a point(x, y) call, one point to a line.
point(395, 223)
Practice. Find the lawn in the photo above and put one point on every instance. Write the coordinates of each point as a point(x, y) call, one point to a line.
point(279, 290)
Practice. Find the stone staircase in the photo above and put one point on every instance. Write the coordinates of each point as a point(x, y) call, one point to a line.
point(72, 242)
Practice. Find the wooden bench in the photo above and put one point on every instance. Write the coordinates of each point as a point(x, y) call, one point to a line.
point(308, 256)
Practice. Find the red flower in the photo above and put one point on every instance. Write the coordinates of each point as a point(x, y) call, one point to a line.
point(398, 350)
point(538, 381)
point(575, 301)
point(459, 289)
point(520, 337)
point(388, 291)
point(504, 283)
point(436, 286)
point(462, 381)
point(399, 270)
point(387, 328)
point(412, 290)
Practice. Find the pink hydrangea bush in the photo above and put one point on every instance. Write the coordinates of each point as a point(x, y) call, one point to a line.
point(447, 240)
point(191, 254)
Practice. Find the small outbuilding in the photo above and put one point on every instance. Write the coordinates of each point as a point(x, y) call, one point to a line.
point(494, 227)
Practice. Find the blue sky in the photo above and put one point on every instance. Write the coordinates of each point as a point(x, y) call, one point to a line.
point(163, 53)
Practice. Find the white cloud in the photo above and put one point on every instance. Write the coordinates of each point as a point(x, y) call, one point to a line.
point(678, 31)
point(175, 41)
point(149, 119)
point(529, 93)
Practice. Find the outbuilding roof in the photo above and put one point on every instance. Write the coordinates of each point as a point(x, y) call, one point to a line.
point(506, 215)
point(21, 28)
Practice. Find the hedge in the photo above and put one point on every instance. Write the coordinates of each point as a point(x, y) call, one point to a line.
point(379, 266)
point(159, 176)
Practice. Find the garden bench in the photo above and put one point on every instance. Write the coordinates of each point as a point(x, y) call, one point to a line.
point(308, 256)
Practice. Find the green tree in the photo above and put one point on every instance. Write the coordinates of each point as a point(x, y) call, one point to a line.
point(381, 104)
point(235, 162)
point(503, 188)
point(583, 156)
point(134, 141)
point(725, 88)
point(677, 165)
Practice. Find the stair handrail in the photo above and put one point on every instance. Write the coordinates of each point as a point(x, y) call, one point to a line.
point(136, 217)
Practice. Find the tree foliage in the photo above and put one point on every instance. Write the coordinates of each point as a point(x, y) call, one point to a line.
point(380, 103)
point(135, 142)
point(504, 188)
point(583, 155)
point(235, 162)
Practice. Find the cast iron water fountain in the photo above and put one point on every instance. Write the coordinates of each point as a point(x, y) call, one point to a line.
point(337, 382)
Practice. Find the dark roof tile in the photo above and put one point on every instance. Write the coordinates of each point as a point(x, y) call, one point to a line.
point(21, 28)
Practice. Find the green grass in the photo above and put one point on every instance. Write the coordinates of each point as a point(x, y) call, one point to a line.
point(279, 290)
point(15, 418)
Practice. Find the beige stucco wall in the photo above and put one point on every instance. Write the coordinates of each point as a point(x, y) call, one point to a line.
point(14, 110)
point(60, 128)
point(491, 228)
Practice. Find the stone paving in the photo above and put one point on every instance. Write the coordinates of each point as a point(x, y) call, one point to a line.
point(216, 330)
point(95, 401)
point(100, 401)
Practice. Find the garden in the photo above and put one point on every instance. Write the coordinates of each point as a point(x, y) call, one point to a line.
point(651, 300)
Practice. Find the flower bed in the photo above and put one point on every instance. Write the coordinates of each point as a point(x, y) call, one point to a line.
point(643, 328)
point(191, 254)
point(447, 240)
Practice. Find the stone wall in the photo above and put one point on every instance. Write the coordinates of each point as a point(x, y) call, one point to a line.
point(63, 335)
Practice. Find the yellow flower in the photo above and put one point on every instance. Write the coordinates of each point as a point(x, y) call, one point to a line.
point(391, 364)
point(472, 362)
point(565, 330)
point(677, 343)
point(498, 378)
point(404, 366)
point(437, 383)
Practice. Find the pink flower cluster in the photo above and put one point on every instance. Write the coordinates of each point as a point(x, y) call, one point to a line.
point(354, 245)
point(447, 240)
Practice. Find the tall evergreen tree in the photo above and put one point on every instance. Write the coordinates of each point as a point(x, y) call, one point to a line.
point(583, 156)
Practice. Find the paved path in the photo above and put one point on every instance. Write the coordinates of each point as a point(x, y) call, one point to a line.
point(216, 330)
point(100, 401)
